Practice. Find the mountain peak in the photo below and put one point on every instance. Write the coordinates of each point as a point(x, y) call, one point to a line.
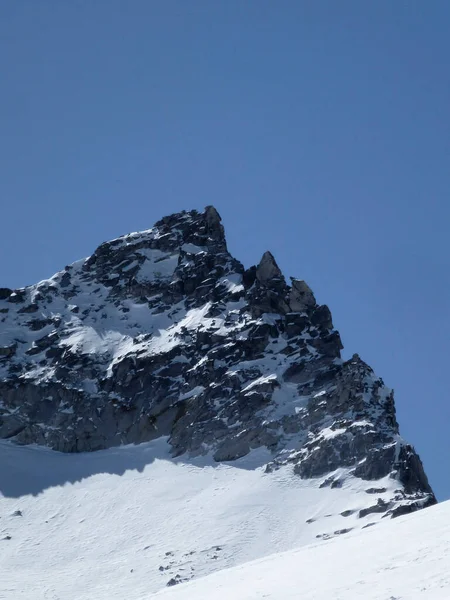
point(192, 227)
point(267, 270)
point(164, 333)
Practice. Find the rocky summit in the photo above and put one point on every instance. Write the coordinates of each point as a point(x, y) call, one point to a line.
point(164, 333)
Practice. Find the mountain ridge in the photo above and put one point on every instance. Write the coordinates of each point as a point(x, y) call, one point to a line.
point(164, 333)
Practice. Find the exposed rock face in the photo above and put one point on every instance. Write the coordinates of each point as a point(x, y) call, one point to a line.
point(268, 272)
point(301, 297)
point(164, 333)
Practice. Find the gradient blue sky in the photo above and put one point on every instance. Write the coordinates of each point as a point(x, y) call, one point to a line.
point(319, 129)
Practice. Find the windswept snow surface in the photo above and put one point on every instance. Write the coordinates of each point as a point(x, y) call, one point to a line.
point(124, 522)
point(404, 559)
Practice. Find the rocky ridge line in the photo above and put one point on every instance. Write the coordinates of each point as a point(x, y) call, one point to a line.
point(164, 333)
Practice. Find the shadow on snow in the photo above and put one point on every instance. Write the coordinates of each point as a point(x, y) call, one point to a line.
point(30, 470)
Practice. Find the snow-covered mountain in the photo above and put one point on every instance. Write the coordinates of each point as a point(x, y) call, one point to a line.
point(255, 435)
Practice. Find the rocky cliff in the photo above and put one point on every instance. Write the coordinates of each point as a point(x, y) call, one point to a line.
point(164, 333)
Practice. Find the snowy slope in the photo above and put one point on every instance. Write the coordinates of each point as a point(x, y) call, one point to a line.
point(405, 559)
point(121, 523)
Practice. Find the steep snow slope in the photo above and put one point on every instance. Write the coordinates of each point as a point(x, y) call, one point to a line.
point(406, 559)
point(124, 522)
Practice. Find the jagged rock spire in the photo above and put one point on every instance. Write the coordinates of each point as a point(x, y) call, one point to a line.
point(212, 216)
point(214, 225)
point(301, 297)
point(268, 270)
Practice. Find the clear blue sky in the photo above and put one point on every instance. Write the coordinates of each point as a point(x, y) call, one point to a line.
point(319, 129)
